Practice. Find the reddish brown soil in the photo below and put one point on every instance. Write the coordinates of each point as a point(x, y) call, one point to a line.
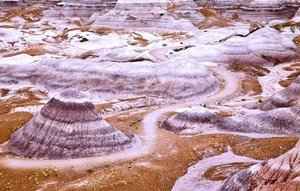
point(158, 171)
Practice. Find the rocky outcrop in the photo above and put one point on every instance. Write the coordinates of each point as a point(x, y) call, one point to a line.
point(198, 176)
point(281, 173)
point(68, 127)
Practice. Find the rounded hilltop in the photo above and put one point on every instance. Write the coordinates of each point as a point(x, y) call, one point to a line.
point(68, 126)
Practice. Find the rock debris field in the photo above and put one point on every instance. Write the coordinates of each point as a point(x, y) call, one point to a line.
point(149, 95)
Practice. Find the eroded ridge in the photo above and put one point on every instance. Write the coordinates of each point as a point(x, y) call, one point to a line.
point(281, 173)
point(277, 121)
point(179, 81)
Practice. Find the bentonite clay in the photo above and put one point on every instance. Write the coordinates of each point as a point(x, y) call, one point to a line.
point(276, 121)
point(67, 129)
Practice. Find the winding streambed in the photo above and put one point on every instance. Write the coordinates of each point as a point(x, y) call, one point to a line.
point(148, 137)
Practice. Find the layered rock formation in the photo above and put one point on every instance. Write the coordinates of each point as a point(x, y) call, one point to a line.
point(277, 121)
point(250, 9)
point(68, 127)
point(161, 67)
point(174, 81)
point(197, 120)
point(80, 8)
point(190, 119)
point(195, 179)
point(281, 173)
point(249, 4)
point(164, 14)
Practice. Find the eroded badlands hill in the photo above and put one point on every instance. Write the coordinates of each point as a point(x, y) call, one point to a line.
point(178, 95)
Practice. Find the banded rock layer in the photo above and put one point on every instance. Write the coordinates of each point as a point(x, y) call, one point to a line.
point(164, 14)
point(276, 121)
point(278, 114)
point(250, 9)
point(173, 81)
point(67, 129)
point(81, 8)
point(281, 173)
point(249, 4)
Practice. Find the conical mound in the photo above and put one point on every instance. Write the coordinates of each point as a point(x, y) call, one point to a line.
point(65, 128)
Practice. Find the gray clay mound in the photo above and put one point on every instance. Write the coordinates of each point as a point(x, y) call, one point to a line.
point(174, 81)
point(68, 129)
point(189, 119)
point(277, 121)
